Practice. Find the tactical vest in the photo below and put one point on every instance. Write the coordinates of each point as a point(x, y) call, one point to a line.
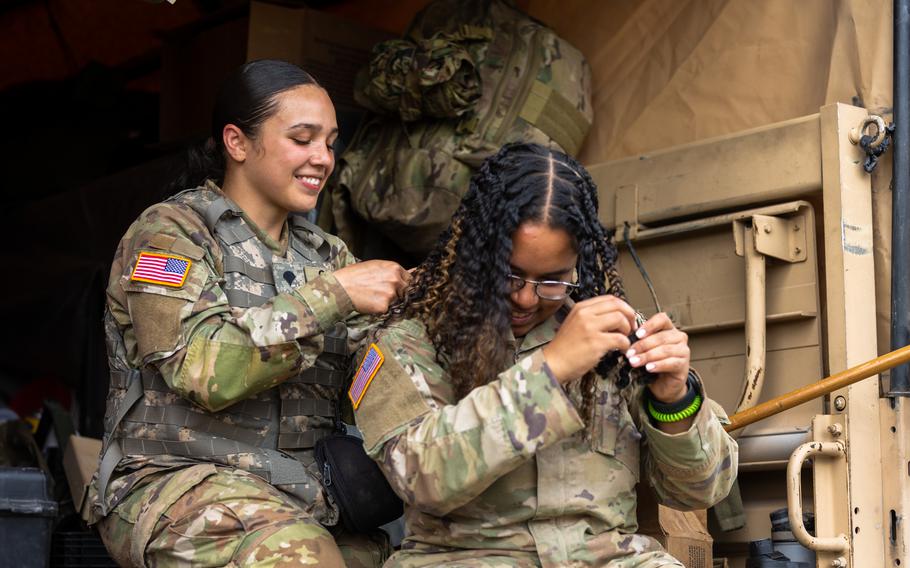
point(267, 433)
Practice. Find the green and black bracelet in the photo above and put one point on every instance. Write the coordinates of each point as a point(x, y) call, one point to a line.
point(679, 410)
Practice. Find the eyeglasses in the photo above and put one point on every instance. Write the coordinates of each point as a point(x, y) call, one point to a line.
point(545, 289)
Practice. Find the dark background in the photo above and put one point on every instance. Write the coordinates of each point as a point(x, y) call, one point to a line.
point(99, 100)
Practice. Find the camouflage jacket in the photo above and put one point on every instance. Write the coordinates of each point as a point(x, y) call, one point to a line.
point(508, 469)
point(206, 350)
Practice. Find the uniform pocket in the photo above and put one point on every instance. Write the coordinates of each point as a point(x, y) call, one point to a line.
point(614, 433)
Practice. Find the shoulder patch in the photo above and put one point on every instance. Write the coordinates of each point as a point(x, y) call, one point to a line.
point(163, 269)
point(365, 373)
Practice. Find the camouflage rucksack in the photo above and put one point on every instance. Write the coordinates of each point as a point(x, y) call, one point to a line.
point(469, 76)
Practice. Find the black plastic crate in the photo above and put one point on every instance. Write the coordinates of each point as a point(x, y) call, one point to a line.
point(27, 514)
point(79, 548)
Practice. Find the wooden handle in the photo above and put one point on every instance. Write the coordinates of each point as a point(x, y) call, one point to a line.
point(820, 388)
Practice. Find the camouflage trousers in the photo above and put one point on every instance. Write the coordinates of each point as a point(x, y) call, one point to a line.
point(213, 516)
point(519, 559)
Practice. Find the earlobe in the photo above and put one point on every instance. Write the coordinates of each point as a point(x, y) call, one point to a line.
point(235, 142)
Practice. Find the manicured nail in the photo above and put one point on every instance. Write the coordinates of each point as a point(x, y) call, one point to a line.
point(649, 366)
point(635, 360)
point(630, 353)
point(641, 332)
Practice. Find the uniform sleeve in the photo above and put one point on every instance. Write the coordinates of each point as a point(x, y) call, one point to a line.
point(693, 469)
point(438, 455)
point(207, 351)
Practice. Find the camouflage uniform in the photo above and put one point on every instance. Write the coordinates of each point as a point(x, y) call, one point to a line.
point(507, 477)
point(220, 387)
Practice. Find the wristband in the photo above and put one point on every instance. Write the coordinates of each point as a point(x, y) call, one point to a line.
point(680, 410)
point(675, 416)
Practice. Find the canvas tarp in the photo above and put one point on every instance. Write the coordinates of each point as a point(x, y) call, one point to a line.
point(670, 72)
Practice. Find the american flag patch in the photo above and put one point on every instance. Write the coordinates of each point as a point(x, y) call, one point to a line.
point(164, 269)
point(368, 368)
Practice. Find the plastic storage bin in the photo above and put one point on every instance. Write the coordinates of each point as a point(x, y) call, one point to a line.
point(79, 549)
point(27, 514)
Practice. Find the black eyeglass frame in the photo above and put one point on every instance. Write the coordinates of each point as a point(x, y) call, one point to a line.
point(522, 282)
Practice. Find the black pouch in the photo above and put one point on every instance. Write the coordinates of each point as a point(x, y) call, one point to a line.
point(363, 494)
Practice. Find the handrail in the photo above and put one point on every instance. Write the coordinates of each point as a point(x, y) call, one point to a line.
point(839, 543)
point(819, 388)
point(756, 321)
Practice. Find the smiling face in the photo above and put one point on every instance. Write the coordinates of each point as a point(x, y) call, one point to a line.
point(286, 165)
point(539, 252)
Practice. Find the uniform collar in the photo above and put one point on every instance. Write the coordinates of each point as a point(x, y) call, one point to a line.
point(543, 333)
point(279, 247)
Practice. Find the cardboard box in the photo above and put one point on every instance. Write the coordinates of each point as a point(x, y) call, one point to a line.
point(682, 533)
point(80, 460)
point(332, 48)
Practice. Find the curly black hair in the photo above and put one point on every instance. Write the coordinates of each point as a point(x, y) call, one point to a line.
point(460, 292)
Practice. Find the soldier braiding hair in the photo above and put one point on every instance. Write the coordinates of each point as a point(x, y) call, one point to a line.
point(248, 97)
point(460, 292)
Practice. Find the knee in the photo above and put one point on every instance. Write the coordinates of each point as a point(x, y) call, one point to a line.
point(294, 543)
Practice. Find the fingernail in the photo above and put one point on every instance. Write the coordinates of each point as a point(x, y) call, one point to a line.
point(641, 332)
point(635, 360)
point(649, 366)
point(630, 353)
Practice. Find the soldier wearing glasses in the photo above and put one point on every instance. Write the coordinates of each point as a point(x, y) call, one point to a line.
point(502, 397)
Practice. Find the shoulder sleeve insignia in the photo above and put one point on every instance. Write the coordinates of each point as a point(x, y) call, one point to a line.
point(365, 373)
point(164, 269)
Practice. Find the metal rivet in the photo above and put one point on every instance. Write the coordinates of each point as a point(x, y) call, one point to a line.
point(835, 430)
point(840, 403)
point(767, 228)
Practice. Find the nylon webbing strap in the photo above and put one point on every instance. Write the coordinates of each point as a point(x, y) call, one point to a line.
point(110, 459)
point(307, 407)
point(320, 240)
point(242, 299)
point(150, 380)
point(212, 447)
point(285, 470)
point(556, 117)
point(234, 232)
point(113, 453)
point(121, 379)
point(234, 264)
point(214, 212)
point(296, 440)
point(183, 417)
point(282, 469)
point(321, 376)
point(260, 409)
point(304, 250)
point(336, 341)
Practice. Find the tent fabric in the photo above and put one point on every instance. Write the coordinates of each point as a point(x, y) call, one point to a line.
point(670, 72)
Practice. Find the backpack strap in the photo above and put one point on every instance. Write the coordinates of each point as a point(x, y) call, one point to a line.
point(555, 116)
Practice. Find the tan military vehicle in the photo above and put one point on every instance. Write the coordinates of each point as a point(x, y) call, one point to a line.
point(771, 247)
